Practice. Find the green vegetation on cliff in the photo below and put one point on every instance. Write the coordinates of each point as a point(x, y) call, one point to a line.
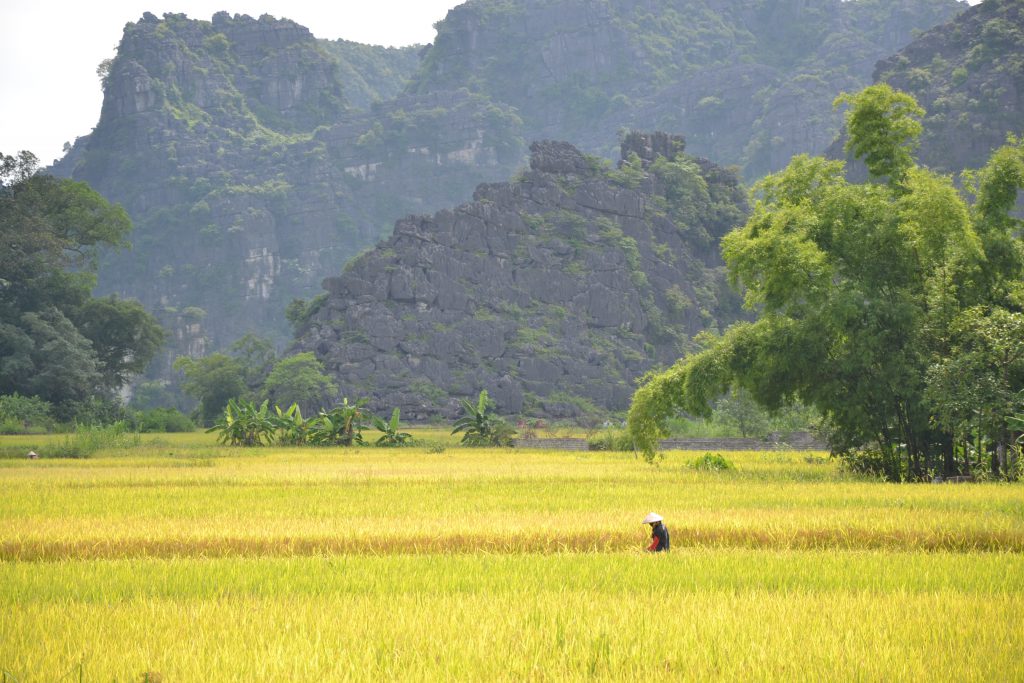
point(748, 83)
point(552, 292)
point(250, 173)
point(969, 77)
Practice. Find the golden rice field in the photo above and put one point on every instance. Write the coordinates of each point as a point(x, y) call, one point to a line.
point(183, 561)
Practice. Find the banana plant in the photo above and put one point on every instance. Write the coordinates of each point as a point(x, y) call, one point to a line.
point(292, 428)
point(390, 436)
point(243, 424)
point(480, 427)
point(341, 426)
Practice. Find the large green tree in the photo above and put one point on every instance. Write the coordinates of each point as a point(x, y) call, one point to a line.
point(857, 285)
point(213, 381)
point(56, 341)
point(299, 379)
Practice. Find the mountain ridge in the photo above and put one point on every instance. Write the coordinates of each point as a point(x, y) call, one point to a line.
point(553, 291)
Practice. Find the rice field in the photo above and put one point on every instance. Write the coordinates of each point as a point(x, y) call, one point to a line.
point(180, 560)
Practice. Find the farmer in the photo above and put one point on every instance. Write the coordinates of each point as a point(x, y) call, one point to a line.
point(659, 533)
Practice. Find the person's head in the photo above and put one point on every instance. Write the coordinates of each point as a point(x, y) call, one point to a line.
point(654, 519)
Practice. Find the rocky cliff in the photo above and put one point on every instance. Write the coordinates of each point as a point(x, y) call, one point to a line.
point(969, 76)
point(749, 83)
point(553, 291)
point(249, 174)
point(255, 159)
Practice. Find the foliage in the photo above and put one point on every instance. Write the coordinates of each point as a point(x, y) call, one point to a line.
point(981, 382)
point(292, 428)
point(480, 426)
point(372, 73)
point(342, 425)
point(94, 411)
point(256, 357)
point(611, 440)
point(858, 287)
point(883, 126)
point(873, 462)
point(390, 436)
point(299, 311)
point(299, 379)
point(245, 424)
point(738, 409)
point(56, 341)
point(23, 414)
point(166, 420)
point(712, 462)
point(86, 440)
point(213, 380)
point(123, 334)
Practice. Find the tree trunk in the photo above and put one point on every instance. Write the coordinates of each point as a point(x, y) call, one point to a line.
point(1001, 457)
point(948, 459)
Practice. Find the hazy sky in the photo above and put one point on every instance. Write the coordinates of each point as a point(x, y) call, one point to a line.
point(49, 50)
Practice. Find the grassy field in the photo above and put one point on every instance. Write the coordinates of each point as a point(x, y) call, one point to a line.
point(198, 562)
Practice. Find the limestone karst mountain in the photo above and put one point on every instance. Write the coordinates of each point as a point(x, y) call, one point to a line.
point(249, 174)
point(747, 82)
point(968, 74)
point(255, 159)
point(553, 291)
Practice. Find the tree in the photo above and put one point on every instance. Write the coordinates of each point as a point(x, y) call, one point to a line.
point(299, 379)
point(884, 126)
point(256, 356)
point(123, 334)
point(343, 425)
point(857, 285)
point(737, 409)
point(242, 423)
point(978, 386)
point(390, 436)
point(56, 341)
point(213, 381)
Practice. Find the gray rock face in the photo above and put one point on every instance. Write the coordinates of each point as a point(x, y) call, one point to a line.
point(553, 292)
point(969, 77)
point(249, 176)
point(749, 83)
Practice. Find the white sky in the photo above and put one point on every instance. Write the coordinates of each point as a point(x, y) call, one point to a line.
point(49, 50)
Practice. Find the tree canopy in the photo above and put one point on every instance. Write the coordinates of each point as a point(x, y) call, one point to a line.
point(299, 379)
point(57, 341)
point(863, 289)
point(213, 380)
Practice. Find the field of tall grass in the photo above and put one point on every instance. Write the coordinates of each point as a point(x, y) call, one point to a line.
point(176, 559)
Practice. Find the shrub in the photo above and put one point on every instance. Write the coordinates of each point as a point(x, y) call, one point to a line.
point(87, 439)
point(24, 414)
point(611, 440)
point(341, 426)
point(292, 428)
point(163, 420)
point(9, 452)
point(873, 462)
point(712, 462)
point(95, 410)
